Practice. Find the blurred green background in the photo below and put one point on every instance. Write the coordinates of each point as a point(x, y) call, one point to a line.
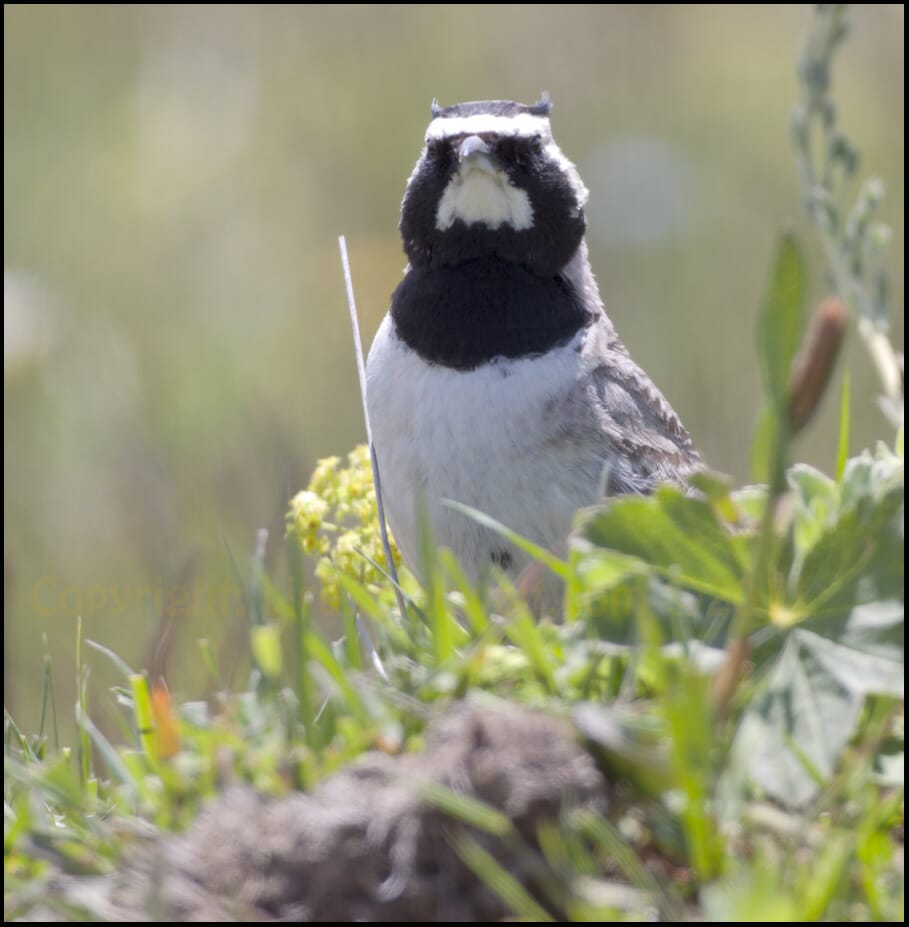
point(176, 345)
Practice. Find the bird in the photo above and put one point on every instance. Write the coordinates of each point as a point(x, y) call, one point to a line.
point(496, 379)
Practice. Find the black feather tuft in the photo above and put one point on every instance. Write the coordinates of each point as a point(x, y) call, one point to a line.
point(543, 106)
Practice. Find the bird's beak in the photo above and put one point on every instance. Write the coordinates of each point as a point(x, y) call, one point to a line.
point(473, 152)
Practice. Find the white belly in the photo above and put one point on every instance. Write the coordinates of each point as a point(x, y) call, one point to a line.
point(486, 438)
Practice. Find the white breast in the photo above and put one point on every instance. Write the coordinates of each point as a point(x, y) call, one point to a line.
point(481, 437)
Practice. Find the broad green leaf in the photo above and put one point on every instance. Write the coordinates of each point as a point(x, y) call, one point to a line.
point(816, 507)
point(848, 579)
point(871, 642)
point(800, 706)
point(874, 481)
point(717, 489)
point(678, 536)
point(613, 609)
point(856, 552)
point(811, 483)
point(751, 501)
point(599, 570)
point(851, 563)
point(781, 319)
point(794, 732)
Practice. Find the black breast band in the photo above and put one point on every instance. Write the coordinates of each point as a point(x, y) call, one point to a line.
point(466, 315)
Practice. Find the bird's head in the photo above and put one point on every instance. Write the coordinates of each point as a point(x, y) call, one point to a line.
point(491, 181)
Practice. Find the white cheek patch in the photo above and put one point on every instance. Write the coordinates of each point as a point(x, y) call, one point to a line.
point(484, 197)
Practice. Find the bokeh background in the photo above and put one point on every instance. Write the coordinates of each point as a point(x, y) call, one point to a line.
point(176, 345)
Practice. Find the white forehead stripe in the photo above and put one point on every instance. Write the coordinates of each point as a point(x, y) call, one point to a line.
point(481, 197)
point(524, 124)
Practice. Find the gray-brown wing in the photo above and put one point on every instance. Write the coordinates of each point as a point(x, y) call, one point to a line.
point(622, 414)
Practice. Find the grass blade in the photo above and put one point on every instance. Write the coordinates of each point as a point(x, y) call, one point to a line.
point(107, 752)
point(85, 746)
point(322, 654)
point(48, 699)
point(842, 452)
point(503, 883)
point(373, 458)
point(559, 567)
point(465, 808)
point(117, 660)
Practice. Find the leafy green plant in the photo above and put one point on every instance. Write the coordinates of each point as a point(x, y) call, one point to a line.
point(335, 518)
point(855, 242)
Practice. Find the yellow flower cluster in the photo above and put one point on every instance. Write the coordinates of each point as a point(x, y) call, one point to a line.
point(335, 518)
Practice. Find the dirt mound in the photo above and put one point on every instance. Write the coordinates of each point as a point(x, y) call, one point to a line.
point(365, 844)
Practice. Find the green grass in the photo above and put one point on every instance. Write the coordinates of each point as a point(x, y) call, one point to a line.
point(705, 821)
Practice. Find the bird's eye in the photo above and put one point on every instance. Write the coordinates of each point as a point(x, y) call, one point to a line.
point(536, 144)
point(436, 148)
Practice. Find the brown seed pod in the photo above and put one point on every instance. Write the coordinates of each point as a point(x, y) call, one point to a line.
point(815, 361)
